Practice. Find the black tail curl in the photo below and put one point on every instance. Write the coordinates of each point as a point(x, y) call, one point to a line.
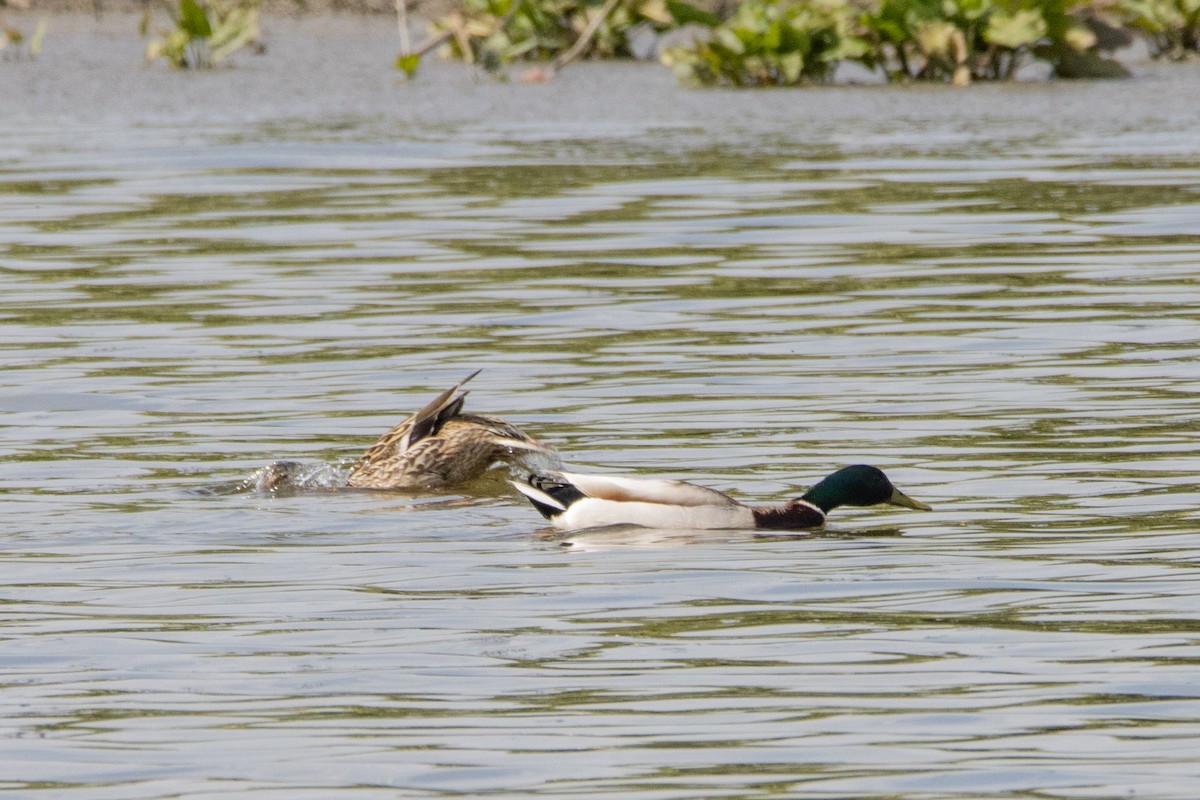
point(556, 487)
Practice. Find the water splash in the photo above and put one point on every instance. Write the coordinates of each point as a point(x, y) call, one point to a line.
point(283, 478)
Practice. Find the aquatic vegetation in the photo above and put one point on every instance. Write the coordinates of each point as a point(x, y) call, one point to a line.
point(206, 32)
point(958, 41)
point(769, 42)
point(1171, 27)
point(494, 33)
point(968, 40)
point(409, 59)
point(788, 42)
point(772, 43)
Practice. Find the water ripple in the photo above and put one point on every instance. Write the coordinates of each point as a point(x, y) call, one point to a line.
point(1006, 324)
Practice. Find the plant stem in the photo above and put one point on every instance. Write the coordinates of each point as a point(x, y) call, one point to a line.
point(402, 14)
point(584, 38)
point(431, 43)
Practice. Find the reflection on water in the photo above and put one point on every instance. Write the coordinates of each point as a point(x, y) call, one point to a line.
point(1010, 332)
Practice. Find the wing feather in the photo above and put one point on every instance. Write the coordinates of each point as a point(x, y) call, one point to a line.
point(647, 490)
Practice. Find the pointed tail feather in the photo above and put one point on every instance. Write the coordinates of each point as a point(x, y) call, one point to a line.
point(546, 505)
point(430, 419)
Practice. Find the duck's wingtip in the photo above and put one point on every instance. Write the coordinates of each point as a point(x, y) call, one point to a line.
point(518, 444)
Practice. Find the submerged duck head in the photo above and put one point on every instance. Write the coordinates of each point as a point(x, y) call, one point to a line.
point(859, 485)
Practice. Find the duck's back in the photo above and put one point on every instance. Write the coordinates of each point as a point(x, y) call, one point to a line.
point(459, 449)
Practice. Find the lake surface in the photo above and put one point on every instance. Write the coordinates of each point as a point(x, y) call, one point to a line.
point(993, 294)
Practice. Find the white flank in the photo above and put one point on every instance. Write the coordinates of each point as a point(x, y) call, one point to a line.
point(591, 512)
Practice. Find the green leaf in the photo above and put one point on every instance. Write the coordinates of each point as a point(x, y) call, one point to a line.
point(772, 37)
point(235, 31)
point(686, 13)
point(1019, 29)
point(730, 40)
point(194, 20)
point(935, 38)
point(174, 48)
point(408, 64)
point(791, 66)
point(849, 48)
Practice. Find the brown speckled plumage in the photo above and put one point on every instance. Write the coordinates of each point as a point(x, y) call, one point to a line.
point(440, 447)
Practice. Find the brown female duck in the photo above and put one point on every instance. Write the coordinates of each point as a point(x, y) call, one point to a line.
point(439, 447)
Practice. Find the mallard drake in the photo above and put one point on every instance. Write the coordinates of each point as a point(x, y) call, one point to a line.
point(572, 501)
point(439, 446)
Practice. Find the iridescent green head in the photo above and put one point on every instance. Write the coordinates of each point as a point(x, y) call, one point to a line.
point(859, 485)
